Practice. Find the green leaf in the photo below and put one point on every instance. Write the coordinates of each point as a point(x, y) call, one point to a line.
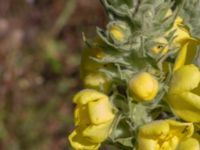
point(126, 141)
point(190, 12)
point(140, 114)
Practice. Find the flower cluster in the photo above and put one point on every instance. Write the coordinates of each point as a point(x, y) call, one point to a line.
point(141, 79)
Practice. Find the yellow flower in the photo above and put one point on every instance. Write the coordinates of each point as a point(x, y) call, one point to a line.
point(167, 135)
point(181, 32)
point(93, 118)
point(143, 86)
point(186, 54)
point(184, 93)
point(188, 44)
point(98, 81)
point(181, 37)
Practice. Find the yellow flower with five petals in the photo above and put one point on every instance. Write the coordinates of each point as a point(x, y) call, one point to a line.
point(184, 93)
point(93, 119)
point(167, 135)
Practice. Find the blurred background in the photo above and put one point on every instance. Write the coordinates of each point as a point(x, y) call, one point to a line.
point(40, 46)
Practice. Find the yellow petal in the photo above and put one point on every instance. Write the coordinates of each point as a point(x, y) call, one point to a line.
point(87, 95)
point(186, 54)
point(181, 34)
point(147, 144)
point(180, 60)
point(180, 129)
point(186, 105)
point(100, 111)
point(78, 142)
point(170, 144)
point(183, 96)
point(178, 21)
point(191, 50)
point(81, 116)
point(189, 144)
point(154, 129)
point(97, 133)
point(184, 79)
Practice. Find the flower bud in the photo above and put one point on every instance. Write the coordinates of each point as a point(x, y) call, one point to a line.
point(119, 32)
point(98, 81)
point(87, 63)
point(143, 86)
point(161, 47)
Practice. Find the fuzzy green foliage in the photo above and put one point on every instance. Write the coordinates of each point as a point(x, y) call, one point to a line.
point(141, 22)
point(190, 11)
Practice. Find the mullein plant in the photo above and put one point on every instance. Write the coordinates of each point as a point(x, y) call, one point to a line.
point(141, 78)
